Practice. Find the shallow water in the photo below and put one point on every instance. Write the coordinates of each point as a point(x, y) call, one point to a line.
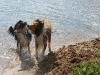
point(72, 20)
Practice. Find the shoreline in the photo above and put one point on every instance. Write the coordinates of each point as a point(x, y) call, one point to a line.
point(33, 70)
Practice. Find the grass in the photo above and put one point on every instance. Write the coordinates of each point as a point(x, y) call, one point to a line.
point(91, 68)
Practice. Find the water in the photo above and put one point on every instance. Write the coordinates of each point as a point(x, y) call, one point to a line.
point(72, 20)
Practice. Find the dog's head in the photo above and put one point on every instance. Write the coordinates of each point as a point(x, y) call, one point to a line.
point(20, 26)
point(36, 27)
point(17, 26)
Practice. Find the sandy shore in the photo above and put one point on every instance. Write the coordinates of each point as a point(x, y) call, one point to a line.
point(60, 62)
point(15, 71)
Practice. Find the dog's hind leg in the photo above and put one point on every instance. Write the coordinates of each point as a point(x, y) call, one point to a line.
point(44, 47)
point(49, 41)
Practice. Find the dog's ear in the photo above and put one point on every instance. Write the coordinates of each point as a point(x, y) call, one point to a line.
point(37, 20)
point(39, 28)
point(23, 25)
point(20, 21)
point(18, 24)
point(11, 30)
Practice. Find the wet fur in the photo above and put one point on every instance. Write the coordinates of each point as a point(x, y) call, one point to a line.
point(42, 34)
point(21, 34)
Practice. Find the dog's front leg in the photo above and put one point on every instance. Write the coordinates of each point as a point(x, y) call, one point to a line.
point(20, 50)
point(36, 47)
point(29, 49)
point(17, 45)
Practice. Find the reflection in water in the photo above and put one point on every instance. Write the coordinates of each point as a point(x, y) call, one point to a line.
point(26, 61)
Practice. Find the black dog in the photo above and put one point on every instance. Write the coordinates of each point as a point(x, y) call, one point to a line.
point(21, 34)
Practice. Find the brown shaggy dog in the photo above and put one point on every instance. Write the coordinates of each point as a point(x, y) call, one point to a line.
point(42, 34)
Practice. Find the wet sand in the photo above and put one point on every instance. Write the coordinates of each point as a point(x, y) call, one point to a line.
point(61, 62)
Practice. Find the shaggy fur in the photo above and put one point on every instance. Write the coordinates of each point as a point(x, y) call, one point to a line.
point(42, 34)
point(21, 34)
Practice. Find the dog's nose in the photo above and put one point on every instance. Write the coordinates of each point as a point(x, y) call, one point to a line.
point(27, 25)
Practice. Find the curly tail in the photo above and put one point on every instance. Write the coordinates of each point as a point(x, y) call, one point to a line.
point(11, 30)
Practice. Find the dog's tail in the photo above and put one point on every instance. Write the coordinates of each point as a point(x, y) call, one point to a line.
point(11, 30)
